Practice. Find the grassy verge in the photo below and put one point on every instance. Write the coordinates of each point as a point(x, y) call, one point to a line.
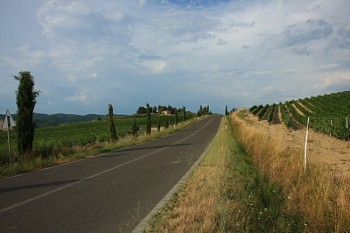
point(32, 162)
point(226, 193)
point(320, 197)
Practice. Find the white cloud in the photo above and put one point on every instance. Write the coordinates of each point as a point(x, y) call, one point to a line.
point(79, 97)
point(154, 66)
point(94, 75)
point(334, 81)
point(328, 66)
point(142, 2)
point(239, 51)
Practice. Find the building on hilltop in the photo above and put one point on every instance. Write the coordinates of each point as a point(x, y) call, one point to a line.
point(166, 113)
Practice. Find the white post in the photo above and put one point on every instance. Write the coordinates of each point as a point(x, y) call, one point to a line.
point(305, 151)
point(347, 122)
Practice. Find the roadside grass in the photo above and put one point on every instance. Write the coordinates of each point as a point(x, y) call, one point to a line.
point(31, 162)
point(320, 197)
point(226, 193)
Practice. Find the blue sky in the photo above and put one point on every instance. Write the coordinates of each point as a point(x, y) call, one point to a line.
point(86, 54)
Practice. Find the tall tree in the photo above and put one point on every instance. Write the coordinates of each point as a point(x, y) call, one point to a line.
point(112, 130)
point(154, 110)
point(176, 117)
point(184, 113)
point(149, 124)
point(204, 110)
point(158, 125)
point(26, 100)
point(226, 111)
point(135, 128)
point(166, 123)
point(161, 109)
point(141, 110)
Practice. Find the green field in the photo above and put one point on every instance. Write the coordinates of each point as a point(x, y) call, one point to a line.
point(65, 138)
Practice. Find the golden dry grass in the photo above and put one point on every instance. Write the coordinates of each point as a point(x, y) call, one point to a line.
point(226, 194)
point(223, 194)
point(322, 198)
point(198, 207)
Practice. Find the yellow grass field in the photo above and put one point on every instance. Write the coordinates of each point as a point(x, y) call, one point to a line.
point(322, 192)
point(253, 180)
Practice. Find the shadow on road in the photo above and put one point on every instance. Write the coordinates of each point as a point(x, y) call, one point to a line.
point(116, 153)
point(37, 186)
point(155, 147)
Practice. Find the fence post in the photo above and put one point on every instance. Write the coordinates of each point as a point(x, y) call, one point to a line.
point(347, 122)
point(306, 136)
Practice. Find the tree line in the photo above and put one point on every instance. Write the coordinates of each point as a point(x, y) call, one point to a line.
point(26, 97)
point(157, 109)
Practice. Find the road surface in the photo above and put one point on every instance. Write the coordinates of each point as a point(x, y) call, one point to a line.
point(111, 192)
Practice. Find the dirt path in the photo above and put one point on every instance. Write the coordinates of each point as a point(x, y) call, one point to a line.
point(302, 105)
point(321, 148)
point(298, 110)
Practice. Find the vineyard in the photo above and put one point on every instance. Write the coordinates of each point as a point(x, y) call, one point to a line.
point(328, 114)
point(65, 138)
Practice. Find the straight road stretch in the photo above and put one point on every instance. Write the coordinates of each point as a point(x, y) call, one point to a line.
point(111, 192)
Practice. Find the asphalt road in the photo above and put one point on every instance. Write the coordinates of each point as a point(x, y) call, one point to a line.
point(111, 192)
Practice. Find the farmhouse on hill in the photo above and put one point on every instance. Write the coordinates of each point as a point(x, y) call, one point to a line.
point(166, 113)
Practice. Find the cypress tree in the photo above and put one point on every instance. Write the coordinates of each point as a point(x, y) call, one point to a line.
point(112, 130)
point(26, 100)
point(158, 126)
point(135, 128)
point(149, 125)
point(205, 110)
point(176, 117)
point(201, 110)
point(184, 113)
point(166, 123)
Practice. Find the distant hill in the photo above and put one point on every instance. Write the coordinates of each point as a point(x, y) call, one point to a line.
point(43, 120)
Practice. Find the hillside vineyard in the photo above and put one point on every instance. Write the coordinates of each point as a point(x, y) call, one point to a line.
point(328, 114)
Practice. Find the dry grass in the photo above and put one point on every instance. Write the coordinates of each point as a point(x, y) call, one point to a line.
point(202, 205)
point(198, 207)
point(227, 194)
point(322, 198)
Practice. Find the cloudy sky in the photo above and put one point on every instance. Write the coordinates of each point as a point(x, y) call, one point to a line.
point(85, 54)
